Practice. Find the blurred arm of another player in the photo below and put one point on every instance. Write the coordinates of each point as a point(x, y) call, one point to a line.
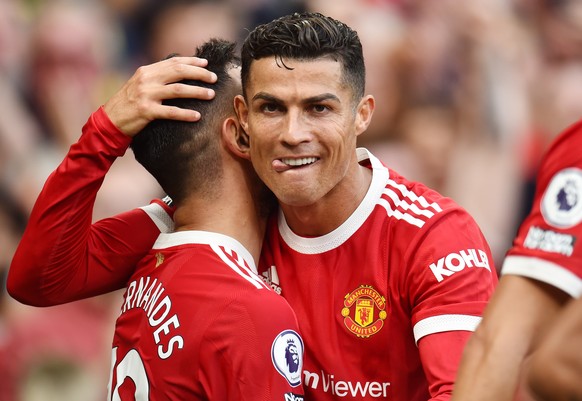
point(556, 368)
point(514, 321)
point(62, 256)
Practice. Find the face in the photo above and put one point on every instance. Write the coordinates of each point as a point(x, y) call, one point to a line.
point(302, 124)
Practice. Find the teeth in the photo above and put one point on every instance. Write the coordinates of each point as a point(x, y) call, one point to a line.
point(299, 162)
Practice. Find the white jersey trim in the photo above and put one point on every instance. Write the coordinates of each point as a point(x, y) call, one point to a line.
point(337, 237)
point(443, 323)
point(544, 271)
point(415, 209)
point(214, 240)
point(160, 217)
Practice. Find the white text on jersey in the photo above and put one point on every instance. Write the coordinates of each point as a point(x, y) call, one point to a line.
point(342, 388)
point(145, 295)
point(455, 262)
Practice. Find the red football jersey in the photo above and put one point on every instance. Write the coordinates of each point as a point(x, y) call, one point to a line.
point(407, 264)
point(547, 247)
point(198, 323)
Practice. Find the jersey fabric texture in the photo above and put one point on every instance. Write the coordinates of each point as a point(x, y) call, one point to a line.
point(196, 318)
point(547, 247)
point(198, 323)
point(408, 267)
point(408, 263)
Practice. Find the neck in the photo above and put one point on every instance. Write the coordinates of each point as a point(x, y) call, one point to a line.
point(333, 209)
point(235, 212)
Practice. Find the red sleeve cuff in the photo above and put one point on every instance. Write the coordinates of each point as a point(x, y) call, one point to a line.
point(109, 133)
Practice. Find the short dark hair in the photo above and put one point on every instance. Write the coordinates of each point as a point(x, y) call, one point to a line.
point(184, 156)
point(307, 36)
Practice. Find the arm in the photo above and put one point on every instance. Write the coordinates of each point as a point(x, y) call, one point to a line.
point(440, 354)
point(452, 282)
point(513, 322)
point(556, 368)
point(61, 256)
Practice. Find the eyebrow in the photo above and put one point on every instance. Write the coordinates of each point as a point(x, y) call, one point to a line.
point(314, 99)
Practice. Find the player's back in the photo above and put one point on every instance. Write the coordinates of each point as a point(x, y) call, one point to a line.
point(197, 323)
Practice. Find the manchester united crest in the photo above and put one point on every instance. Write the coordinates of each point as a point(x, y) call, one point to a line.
point(364, 311)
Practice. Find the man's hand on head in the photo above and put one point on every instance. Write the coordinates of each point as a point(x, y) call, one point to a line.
point(139, 101)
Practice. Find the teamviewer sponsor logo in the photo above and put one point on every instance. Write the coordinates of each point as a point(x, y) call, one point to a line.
point(455, 262)
point(351, 389)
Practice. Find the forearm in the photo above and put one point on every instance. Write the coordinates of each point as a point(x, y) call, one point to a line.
point(513, 322)
point(556, 368)
point(488, 371)
point(60, 250)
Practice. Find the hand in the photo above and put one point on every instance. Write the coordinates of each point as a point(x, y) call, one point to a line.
point(139, 101)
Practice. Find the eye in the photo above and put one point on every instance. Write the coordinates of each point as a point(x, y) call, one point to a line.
point(319, 108)
point(270, 107)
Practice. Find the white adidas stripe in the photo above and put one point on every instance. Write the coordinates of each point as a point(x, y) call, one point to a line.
point(412, 214)
point(247, 274)
point(407, 206)
point(414, 197)
point(399, 215)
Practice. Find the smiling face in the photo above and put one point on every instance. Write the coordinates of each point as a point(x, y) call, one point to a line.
point(302, 124)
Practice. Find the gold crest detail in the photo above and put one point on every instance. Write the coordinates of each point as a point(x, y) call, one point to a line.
point(159, 258)
point(364, 311)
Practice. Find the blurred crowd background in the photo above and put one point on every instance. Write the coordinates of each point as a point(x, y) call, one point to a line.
point(469, 94)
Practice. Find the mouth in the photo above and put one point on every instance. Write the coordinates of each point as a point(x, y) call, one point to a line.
point(287, 163)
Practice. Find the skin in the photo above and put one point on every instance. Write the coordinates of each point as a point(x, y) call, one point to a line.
point(556, 368)
point(305, 115)
point(515, 321)
point(139, 101)
point(303, 124)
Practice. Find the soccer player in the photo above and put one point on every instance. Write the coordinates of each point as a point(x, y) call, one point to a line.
point(541, 272)
point(197, 322)
point(387, 277)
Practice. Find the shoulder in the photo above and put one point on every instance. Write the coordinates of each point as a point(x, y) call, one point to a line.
point(416, 205)
point(563, 153)
point(559, 182)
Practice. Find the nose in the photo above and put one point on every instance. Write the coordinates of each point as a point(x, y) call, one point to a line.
point(296, 130)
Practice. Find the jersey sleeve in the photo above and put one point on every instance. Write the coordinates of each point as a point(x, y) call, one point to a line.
point(62, 257)
point(449, 280)
point(254, 351)
point(451, 276)
point(547, 247)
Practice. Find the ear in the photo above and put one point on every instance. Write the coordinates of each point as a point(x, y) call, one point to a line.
point(242, 111)
point(364, 113)
point(235, 138)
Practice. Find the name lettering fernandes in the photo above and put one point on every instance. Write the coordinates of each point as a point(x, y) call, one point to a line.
point(148, 297)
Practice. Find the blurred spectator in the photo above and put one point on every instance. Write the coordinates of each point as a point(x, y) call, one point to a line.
point(159, 28)
point(59, 63)
point(468, 95)
point(381, 29)
point(74, 49)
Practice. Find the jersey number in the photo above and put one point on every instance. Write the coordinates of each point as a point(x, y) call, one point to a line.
point(132, 367)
